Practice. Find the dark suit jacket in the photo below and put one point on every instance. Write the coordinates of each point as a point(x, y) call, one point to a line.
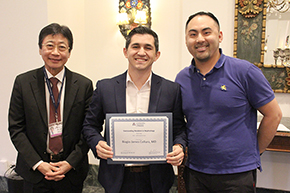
point(110, 97)
point(28, 124)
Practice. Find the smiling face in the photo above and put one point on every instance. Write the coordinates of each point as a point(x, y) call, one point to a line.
point(141, 53)
point(203, 38)
point(54, 59)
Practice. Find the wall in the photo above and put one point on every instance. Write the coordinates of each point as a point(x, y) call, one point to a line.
point(98, 52)
point(20, 23)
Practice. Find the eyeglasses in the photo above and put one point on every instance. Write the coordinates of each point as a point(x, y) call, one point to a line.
point(50, 46)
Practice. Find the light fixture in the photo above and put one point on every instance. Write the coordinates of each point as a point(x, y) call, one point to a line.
point(122, 19)
point(133, 13)
point(281, 6)
point(140, 18)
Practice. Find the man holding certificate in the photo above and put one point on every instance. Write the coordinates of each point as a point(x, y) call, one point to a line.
point(140, 107)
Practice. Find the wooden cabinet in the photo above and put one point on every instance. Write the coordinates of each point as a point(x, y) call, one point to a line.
point(281, 142)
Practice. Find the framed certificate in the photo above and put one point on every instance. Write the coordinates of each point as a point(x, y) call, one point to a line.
point(139, 138)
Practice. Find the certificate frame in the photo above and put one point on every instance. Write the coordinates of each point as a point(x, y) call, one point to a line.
point(140, 121)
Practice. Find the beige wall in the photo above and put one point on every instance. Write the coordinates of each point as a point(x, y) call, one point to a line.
point(98, 43)
point(98, 52)
point(20, 23)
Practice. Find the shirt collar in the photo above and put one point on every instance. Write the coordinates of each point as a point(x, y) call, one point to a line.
point(148, 81)
point(218, 65)
point(59, 76)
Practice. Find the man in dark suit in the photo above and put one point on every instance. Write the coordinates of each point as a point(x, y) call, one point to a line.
point(34, 122)
point(138, 90)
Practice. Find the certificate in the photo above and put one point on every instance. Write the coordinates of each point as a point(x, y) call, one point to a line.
point(139, 138)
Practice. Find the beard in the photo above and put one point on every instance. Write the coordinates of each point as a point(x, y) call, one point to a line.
point(204, 57)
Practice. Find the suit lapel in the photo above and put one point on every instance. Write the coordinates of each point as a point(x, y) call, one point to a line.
point(154, 93)
point(71, 89)
point(38, 90)
point(120, 93)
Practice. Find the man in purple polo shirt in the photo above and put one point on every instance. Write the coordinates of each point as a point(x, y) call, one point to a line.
point(221, 96)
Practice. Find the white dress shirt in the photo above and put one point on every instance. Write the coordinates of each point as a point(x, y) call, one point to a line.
point(137, 101)
point(59, 76)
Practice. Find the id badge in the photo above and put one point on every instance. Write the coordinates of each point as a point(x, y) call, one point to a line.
point(55, 129)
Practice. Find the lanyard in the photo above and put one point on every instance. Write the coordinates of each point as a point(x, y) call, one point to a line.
point(50, 90)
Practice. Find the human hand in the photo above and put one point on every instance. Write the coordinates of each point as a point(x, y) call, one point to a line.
point(49, 171)
point(175, 157)
point(103, 150)
point(64, 167)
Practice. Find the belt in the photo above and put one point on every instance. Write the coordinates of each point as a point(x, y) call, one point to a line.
point(137, 168)
point(56, 157)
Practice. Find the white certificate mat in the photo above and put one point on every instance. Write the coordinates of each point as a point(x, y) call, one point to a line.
point(139, 138)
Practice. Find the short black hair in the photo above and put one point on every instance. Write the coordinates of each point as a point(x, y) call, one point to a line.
point(53, 29)
point(142, 30)
point(203, 13)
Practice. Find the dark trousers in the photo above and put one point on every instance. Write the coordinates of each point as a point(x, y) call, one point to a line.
point(197, 182)
point(47, 186)
point(136, 182)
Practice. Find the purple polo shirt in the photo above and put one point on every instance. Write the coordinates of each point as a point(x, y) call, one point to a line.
point(221, 114)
